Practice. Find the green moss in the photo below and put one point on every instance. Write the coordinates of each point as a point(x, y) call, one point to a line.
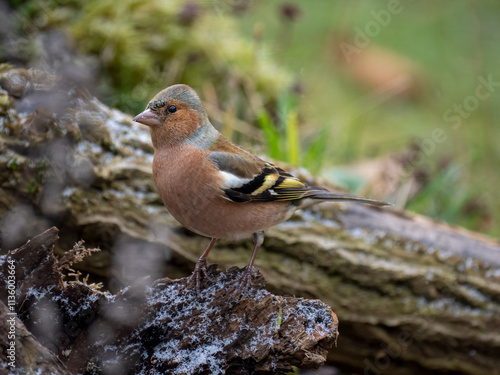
point(31, 187)
point(145, 46)
point(13, 164)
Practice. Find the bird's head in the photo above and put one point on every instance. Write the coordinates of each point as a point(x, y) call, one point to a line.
point(173, 115)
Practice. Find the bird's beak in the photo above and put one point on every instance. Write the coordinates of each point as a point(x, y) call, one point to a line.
point(148, 118)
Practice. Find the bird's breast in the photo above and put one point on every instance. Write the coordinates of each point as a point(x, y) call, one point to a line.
point(191, 188)
point(185, 179)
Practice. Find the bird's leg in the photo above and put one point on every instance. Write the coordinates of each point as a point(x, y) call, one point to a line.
point(201, 268)
point(244, 280)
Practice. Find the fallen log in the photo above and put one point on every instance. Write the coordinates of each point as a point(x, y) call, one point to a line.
point(160, 327)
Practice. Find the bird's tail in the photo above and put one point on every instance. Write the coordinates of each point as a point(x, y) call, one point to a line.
point(328, 196)
point(325, 195)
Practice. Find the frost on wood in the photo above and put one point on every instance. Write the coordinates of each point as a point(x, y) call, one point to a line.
point(164, 327)
point(210, 331)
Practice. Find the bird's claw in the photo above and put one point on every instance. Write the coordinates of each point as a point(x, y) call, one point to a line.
point(196, 277)
point(244, 281)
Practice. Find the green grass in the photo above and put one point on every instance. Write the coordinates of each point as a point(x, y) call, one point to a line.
point(283, 138)
point(452, 42)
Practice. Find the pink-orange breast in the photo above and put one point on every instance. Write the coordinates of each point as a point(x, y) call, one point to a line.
point(192, 190)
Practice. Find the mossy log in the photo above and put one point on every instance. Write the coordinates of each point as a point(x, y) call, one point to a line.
point(412, 295)
point(163, 327)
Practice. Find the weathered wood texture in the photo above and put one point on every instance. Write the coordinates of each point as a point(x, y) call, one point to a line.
point(158, 328)
point(21, 353)
point(412, 295)
point(26, 355)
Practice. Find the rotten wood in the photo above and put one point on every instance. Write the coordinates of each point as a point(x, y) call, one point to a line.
point(24, 354)
point(160, 327)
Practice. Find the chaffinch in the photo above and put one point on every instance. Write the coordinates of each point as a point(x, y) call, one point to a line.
point(215, 188)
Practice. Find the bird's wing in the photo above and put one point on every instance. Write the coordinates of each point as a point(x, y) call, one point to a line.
point(250, 179)
point(256, 180)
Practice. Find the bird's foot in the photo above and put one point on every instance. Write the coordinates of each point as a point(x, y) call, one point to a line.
point(244, 281)
point(200, 272)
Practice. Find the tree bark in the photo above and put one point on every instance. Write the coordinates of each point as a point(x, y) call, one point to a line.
point(413, 295)
point(163, 327)
point(24, 354)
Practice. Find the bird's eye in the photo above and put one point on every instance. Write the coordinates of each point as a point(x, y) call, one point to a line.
point(172, 109)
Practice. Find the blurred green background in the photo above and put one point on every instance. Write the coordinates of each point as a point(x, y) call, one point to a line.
point(397, 100)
